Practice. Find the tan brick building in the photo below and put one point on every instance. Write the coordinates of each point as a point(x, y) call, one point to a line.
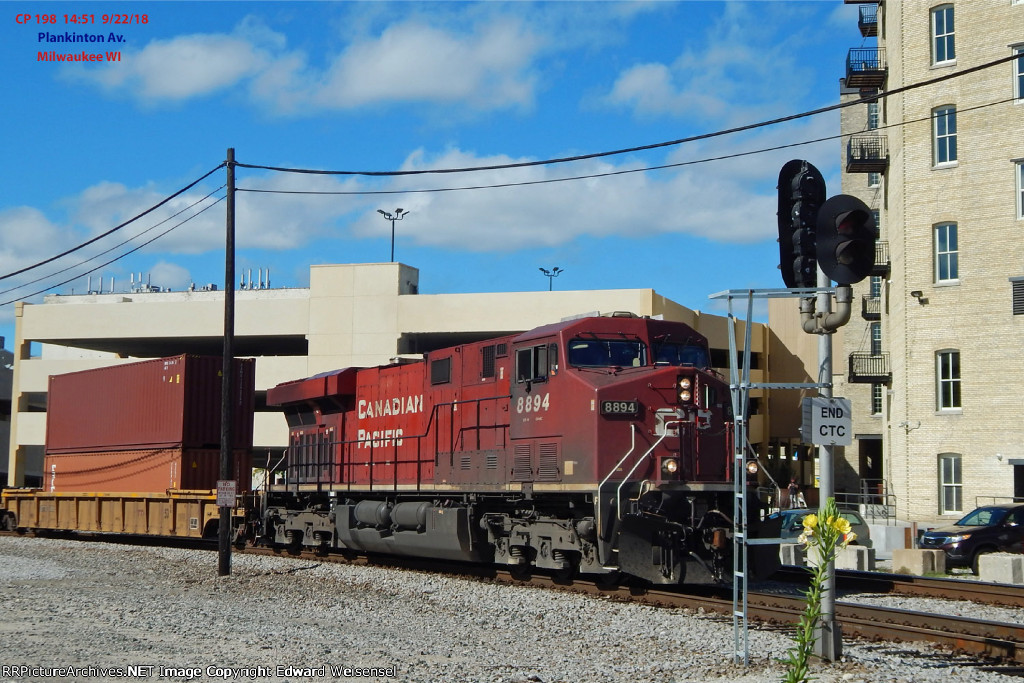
point(933, 357)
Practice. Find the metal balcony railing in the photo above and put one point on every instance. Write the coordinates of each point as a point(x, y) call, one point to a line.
point(866, 68)
point(868, 21)
point(881, 266)
point(867, 154)
point(869, 368)
point(871, 307)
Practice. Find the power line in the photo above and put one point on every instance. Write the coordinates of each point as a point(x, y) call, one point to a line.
point(117, 258)
point(607, 174)
point(107, 251)
point(657, 145)
point(114, 229)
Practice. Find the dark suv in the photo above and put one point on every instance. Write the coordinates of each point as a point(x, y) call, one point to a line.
point(988, 529)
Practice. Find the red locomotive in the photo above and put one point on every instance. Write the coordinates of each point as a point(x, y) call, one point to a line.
point(598, 445)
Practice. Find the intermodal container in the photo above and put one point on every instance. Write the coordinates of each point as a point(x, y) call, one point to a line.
point(148, 470)
point(162, 403)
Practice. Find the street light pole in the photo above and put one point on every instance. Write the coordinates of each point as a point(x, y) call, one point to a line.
point(551, 275)
point(398, 215)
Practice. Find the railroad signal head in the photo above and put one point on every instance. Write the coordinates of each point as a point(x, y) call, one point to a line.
point(846, 239)
point(801, 194)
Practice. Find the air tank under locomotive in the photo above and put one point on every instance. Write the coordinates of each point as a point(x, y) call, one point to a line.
point(598, 445)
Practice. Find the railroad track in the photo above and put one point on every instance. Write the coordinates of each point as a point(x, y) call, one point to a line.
point(998, 594)
point(988, 639)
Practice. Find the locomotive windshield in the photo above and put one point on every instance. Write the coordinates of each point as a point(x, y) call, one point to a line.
point(671, 353)
point(604, 353)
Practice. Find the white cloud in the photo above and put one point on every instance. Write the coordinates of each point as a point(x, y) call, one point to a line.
point(181, 68)
point(489, 66)
point(416, 62)
point(739, 69)
point(166, 274)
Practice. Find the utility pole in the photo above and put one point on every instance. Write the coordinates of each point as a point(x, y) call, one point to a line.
point(227, 374)
point(398, 215)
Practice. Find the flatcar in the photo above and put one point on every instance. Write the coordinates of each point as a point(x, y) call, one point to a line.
point(600, 445)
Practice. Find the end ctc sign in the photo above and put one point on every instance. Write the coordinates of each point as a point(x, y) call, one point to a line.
point(827, 421)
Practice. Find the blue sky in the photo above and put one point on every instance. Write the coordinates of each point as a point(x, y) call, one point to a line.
point(384, 86)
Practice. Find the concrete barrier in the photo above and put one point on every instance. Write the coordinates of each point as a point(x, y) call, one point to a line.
point(856, 557)
point(792, 553)
point(1001, 568)
point(918, 562)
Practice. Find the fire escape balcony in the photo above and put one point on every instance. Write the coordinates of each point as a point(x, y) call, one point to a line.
point(869, 368)
point(871, 307)
point(867, 154)
point(881, 266)
point(866, 68)
point(868, 21)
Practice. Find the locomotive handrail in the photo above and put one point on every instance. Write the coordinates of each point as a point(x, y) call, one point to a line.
point(327, 447)
point(598, 507)
point(618, 491)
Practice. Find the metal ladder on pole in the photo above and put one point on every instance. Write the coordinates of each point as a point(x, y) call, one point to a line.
point(740, 386)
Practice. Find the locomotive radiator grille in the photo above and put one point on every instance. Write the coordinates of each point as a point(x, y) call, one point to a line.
point(522, 468)
point(548, 466)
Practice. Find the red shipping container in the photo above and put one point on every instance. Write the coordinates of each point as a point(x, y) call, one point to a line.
point(152, 470)
point(160, 403)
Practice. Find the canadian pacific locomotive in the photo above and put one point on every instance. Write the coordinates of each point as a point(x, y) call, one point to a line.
point(600, 445)
point(597, 445)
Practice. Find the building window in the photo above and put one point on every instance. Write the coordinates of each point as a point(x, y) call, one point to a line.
point(945, 135)
point(877, 392)
point(875, 287)
point(947, 253)
point(943, 44)
point(873, 115)
point(1018, 73)
point(876, 339)
point(951, 484)
point(947, 373)
point(1020, 189)
point(876, 216)
point(874, 179)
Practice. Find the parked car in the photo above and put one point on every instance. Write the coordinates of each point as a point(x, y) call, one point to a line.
point(793, 524)
point(988, 529)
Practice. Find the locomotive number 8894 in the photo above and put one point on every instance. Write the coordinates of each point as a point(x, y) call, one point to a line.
point(598, 445)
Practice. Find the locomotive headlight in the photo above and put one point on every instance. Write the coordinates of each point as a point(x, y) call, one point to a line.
point(684, 389)
point(670, 465)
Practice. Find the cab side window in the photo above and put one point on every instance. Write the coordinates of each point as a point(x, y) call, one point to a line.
point(532, 363)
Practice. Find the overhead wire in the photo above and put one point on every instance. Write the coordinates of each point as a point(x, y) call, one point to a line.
point(107, 251)
point(115, 228)
point(606, 174)
point(117, 258)
point(640, 148)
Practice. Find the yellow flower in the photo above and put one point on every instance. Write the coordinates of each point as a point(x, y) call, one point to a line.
point(810, 524)
point(841, 525)
point(849, 538)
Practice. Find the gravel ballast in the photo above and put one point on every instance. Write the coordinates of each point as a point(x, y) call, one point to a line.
point(96, 605)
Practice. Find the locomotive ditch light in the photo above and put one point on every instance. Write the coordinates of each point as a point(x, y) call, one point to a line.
point(752, 467)
point(669, 465)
